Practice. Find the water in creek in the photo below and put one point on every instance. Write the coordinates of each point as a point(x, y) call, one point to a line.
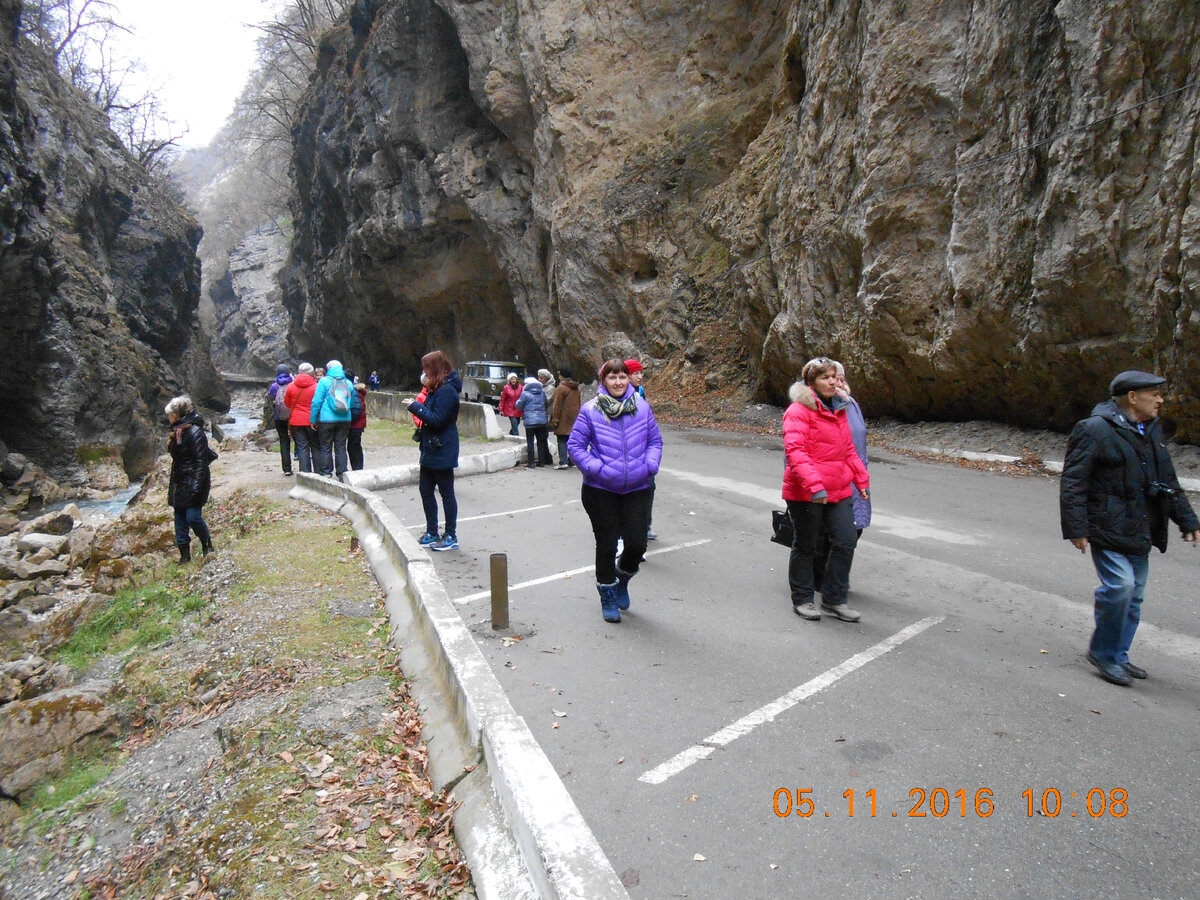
point(246, 419)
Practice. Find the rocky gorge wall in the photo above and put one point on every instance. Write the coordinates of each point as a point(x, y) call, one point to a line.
point(251, 328)
point(99, 281)
point(984, 209)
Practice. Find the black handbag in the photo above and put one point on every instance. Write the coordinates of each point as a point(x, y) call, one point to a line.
point(781, 527)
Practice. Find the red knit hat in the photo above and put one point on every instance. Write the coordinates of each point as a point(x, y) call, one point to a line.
point(633, 366)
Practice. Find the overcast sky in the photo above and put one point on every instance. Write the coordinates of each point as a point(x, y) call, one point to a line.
point(196, 55)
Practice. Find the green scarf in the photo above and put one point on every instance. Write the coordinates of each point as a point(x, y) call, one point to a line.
point(612, 407)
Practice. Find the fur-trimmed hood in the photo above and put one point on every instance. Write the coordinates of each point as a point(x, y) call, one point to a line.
point(801, 393)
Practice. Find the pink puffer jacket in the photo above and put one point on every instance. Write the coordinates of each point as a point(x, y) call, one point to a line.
point(820, 453)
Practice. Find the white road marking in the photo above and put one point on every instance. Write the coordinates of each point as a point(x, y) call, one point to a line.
point(749, 722)
point(480, 595)
point(908, 527)
point(509, 512)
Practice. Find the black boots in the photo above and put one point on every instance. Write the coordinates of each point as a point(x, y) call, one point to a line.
point(185, 553)
point(207, 546)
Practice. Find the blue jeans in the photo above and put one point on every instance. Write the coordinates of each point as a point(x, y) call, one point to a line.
point(1118, 603)
point(514, 423)
point(190, 517)
point(306, 441)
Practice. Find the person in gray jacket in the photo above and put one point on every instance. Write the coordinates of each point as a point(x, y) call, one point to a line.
point(532, 404)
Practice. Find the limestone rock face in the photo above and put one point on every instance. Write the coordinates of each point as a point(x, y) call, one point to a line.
point(250, 334)
point(984, 209)
point(39, 736)
point(99, 280)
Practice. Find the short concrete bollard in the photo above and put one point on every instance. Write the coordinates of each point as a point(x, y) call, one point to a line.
point(499, 591)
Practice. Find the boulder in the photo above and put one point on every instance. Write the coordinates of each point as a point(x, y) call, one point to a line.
point(16, 629)
point(8, 523)
point(60, 522)
point(38, 736)
point(41, 555)
point(27, 569)
point(80, 545)
point(13, 467)
point(31, 676)
point(39, 602)
point(34, 541)
point(9, 560)
point(17, 590)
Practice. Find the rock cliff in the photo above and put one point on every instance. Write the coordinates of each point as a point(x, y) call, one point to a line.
point(98, 280)
point(984, 209)
point(251, 329)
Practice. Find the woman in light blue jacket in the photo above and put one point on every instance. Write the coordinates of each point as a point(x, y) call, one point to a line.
point(532, 404)
point(331, 413)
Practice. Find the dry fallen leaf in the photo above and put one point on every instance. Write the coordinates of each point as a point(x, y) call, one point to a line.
point(1097, 712)
point(285, 756)
point(559, 713)
point(691, 799)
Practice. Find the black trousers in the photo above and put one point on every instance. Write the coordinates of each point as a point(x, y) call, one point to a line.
point(285, 443)
point(807, 521)
point(538, 432)
point(623, 516)
point(354, 448)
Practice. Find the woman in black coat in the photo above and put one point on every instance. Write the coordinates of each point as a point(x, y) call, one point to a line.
point(190, 479)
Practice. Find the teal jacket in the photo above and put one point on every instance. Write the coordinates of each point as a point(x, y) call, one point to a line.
point(323, 409)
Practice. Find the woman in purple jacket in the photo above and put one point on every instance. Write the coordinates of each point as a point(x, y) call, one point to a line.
point(618, 447)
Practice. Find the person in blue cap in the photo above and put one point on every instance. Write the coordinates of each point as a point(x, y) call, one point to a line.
point(1117, 493)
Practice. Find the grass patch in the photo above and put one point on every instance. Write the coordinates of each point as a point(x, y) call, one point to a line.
point(386, 433)
point(93, 453)
point(79, 778)
point(135, 617)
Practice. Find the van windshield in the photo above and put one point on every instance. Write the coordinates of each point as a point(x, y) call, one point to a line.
point(496, 372)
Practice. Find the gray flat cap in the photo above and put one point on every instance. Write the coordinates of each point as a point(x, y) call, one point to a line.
point(1133, 381)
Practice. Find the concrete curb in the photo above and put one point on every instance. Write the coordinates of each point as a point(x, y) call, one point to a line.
point(522, 834)
point(1191, 485)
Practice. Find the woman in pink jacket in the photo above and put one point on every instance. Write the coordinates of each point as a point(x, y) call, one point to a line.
point(823, 472)
point(299, 399)
point(508, 402)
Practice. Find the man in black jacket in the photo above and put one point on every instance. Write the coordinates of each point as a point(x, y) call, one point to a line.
point(1117, 493)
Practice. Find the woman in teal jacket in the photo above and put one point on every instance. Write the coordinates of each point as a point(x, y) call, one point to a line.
point(331, 405)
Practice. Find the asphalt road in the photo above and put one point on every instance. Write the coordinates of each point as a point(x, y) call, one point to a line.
point(715, 742)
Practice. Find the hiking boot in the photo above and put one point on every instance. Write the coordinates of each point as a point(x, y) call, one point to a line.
point(842, 611)
point(622, 589)
point(428, 538)
point(807, 611)
point(448, 542)
point(608, 602)
point(185, 553)
point(207, 547)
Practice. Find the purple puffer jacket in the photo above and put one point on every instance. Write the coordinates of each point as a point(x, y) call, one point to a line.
point(618, 455)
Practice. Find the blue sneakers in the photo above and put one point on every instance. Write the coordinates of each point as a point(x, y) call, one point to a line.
point(428, 538)
point(448, 542)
